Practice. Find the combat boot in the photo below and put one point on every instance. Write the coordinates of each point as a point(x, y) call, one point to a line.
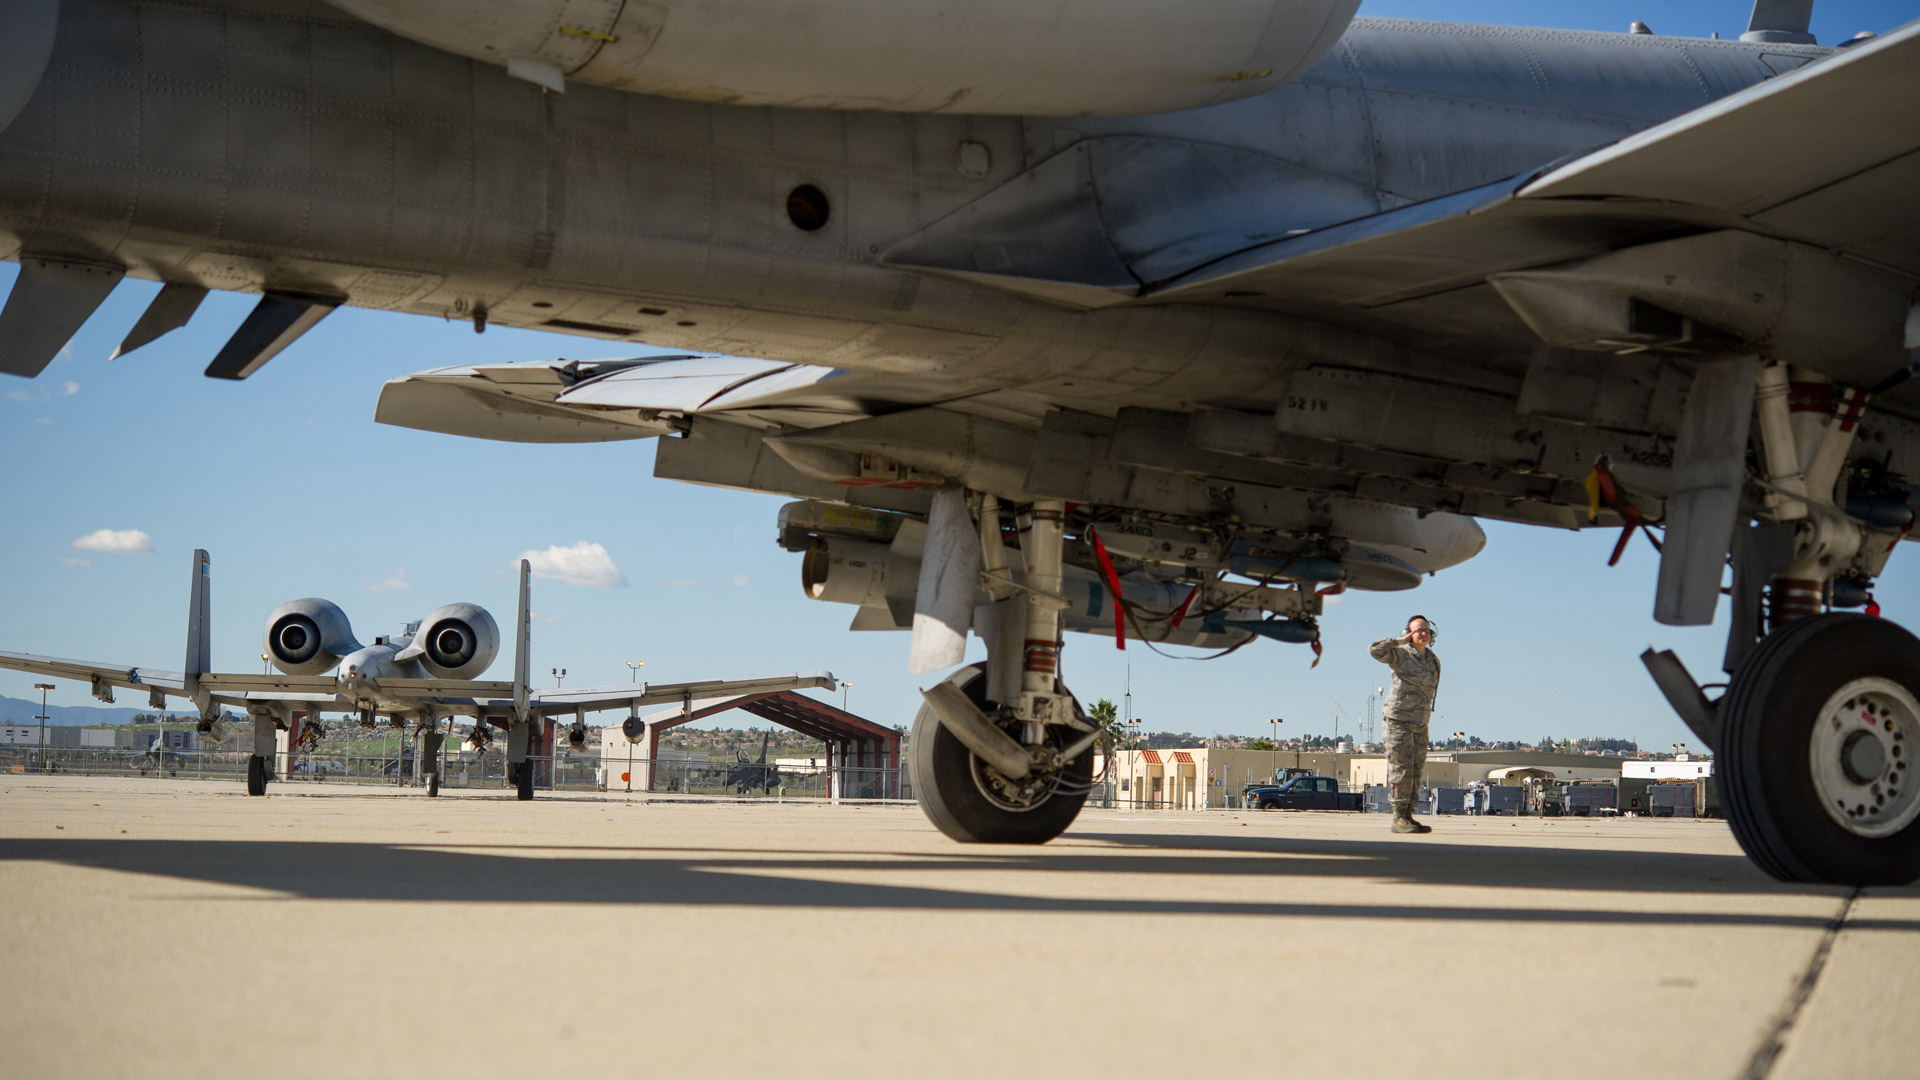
point(1403, 821)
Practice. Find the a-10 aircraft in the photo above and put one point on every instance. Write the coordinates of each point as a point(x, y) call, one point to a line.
point(1152, 318)
point(426, 676)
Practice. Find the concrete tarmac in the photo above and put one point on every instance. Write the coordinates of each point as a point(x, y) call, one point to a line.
point(175, 928)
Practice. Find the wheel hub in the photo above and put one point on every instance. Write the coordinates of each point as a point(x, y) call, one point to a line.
point(1009, 794)
point(1862, 742)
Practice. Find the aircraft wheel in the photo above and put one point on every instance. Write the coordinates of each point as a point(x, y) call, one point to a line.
point(957, 790)
point(523, 781)
point(256, 775)
point(1818, 732)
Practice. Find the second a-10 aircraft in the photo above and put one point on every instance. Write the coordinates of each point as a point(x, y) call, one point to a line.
point(426, 675)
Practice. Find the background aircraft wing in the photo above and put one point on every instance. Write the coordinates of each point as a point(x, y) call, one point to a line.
point(601, 698)
point(1794, 158)
point(133, 678)
point(275, 684)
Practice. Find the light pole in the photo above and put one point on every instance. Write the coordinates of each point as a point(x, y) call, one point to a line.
point(43, 687)
point(634, 666)
point(1274, 727)
point(1458, 735)
point(559, 675)
point(1133, 744)
point(1679, 748)
point(843, 695)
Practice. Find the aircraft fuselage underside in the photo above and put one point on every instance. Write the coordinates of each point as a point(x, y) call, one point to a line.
point(1302, 338)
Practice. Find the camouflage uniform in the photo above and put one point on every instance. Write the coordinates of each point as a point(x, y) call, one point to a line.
point(1416, 679)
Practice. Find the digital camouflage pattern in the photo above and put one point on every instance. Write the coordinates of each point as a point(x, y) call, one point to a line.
point(1416, 680)
point(1406, 760)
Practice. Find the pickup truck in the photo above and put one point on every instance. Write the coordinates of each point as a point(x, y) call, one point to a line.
point(1305, 793)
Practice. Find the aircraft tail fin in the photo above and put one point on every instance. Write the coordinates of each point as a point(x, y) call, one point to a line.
point(522, 646)
point(768, 734)
point(199, 631)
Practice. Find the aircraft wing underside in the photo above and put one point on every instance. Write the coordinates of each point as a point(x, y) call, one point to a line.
point(1785, 173)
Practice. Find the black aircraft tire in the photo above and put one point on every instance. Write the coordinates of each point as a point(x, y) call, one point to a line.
point(256, 775)
point(523, 781)
point(944, 785)
point(1767, 760)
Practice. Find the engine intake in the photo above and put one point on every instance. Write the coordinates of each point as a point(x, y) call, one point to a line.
point(458, 641)
point(308, 636)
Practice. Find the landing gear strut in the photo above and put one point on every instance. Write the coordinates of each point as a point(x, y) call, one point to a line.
point(430, 743)
point(519, 763)
point(1001, 754)
point(265, 738)
point(1817, 731)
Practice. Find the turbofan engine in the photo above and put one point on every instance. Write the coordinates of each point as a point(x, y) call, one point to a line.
point(458, 641)
point(1000, 57)
point(306, 637)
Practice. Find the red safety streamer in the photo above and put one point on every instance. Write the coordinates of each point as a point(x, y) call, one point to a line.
point(1180, 613)
point(1113, 586)
point(1609, 494)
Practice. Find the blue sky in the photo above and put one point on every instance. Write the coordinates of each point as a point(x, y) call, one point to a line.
point(296, 492)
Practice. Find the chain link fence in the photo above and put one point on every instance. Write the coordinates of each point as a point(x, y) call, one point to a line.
point(461, 767)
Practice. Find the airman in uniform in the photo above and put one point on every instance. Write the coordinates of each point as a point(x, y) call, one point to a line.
point(1416, 679)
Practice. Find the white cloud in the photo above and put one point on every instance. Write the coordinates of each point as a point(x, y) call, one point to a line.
point(116, 541)
point(740, 581)
point(1334, 599)
point(20, 395)
point(585, 564)
point(68, 560)
point(70, 388)
point(680, 583)
point(395, 580)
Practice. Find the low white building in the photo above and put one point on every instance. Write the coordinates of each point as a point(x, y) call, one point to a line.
point(1683, 767)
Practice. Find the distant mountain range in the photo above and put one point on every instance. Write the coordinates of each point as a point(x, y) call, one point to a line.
point(18, 711)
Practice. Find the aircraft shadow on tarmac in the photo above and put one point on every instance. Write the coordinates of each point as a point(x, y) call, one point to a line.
point(644, 875)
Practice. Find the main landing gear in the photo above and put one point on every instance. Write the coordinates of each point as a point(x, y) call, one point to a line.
point(431, 740)
point(1001, 751)
point(266, 728)
point(1819, 733)
point(973, 801)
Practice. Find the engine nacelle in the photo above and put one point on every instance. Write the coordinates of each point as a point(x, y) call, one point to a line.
point(458, 641)
point(1003, 57)
point(26, 43)
point(843, 571)
point(306, 637)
